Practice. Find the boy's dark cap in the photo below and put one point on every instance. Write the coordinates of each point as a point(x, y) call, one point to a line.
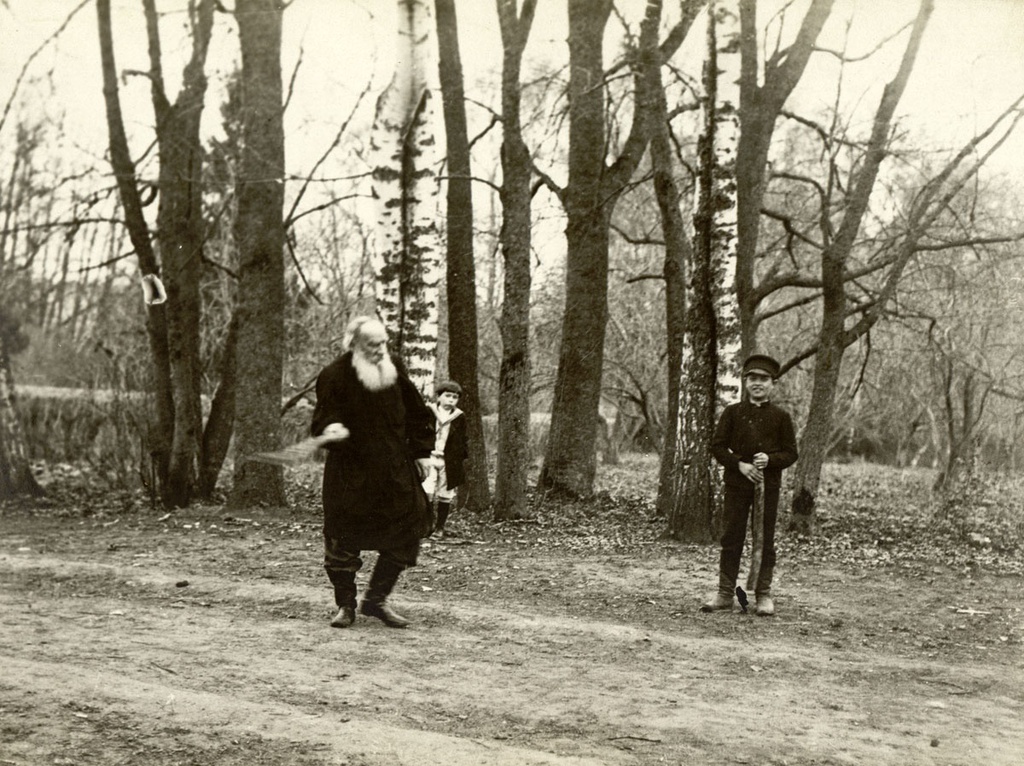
point(762, 363)
point(448, 386)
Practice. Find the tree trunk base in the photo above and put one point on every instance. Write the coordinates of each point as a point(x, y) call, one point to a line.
point(803, 519)
point(22, 486)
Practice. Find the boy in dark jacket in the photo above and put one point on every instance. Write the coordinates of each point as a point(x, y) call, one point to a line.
point(754, 441)
point(447, 469)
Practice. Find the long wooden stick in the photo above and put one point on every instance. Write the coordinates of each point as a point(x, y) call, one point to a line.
point(435, 497)
point(756, 537)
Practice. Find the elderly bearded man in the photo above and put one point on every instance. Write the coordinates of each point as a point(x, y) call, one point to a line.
point(372, 493)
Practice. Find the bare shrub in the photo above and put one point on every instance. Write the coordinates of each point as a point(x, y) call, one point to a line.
point(104, 429)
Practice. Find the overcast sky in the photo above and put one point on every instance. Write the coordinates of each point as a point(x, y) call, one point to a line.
point(970, 68)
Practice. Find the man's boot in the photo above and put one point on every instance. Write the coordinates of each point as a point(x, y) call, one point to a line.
point(382, 581)
point(345, 597)
point(765, 605)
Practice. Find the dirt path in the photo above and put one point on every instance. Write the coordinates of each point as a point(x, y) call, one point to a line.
point(520, 654)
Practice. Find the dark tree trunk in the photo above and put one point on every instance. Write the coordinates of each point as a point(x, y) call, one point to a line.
point(760, 107)
point(817, 432)
point(570, 461)
point(678, 253)
point(221, 421)
point(181, 227)
point(463, 340)
point(16, 479)
point(514, 377)
point(834, 337)
point(259, 234)
point(162, 428)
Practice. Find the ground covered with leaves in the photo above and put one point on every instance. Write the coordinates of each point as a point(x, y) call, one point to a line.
point(129, 635)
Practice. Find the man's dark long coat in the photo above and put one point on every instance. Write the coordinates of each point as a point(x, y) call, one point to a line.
point(372, 496)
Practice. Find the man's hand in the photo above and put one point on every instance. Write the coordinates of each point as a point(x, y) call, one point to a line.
point(336, 432)
point(761, 460)
point(423, 467)
point(752, 472)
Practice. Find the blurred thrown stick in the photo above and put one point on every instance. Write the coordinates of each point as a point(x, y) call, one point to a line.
point(299, 452)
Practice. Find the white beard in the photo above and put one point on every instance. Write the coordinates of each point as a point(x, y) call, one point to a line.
point(375, 377)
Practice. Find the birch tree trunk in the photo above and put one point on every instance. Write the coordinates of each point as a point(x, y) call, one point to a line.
point(514, 377)
point(463, 338)
point(711, 344)
point(724, 218)
point(407, 154)
point(259, 235)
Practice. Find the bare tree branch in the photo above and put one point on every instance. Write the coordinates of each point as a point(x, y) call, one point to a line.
point(161, 104)
point(32, 57)
point(847, 58)
point(549, 182)
point(495, 119)
point(827, 136)
point(634, 240)
point(289, 92)
point(791, 231)
point(289, 241)
point(292, 217)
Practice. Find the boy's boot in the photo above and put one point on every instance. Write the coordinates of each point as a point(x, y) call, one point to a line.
point(345, 597)
point(765, 605)
point(382, 581)
point(724, 598)
point(442, 517)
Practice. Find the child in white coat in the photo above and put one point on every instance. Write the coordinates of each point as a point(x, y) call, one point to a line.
point(447, 461)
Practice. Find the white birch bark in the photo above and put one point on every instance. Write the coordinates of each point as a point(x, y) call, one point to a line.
point(724, 233)
point(709, 367)
point(407, 155)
